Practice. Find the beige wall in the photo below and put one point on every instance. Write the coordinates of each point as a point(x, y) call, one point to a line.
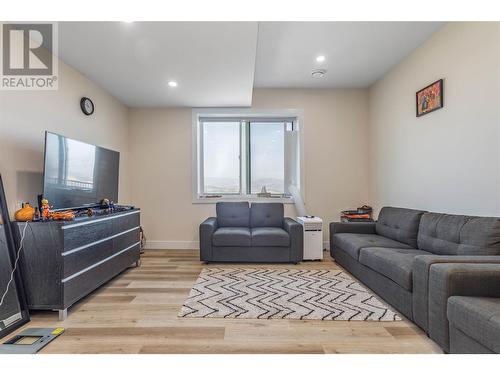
point(336, 164)
point(448, 160)
point(25, 115)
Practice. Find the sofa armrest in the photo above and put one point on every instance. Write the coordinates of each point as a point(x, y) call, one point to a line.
point(360, 228)
point(420, 270)
point(207, 229)
point(296, 234)
point(457, 279)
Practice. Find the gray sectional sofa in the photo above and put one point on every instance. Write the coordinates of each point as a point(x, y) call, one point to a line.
point(397, 257)
point(256, 233)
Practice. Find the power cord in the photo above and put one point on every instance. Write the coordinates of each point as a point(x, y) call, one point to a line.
point(15, 264)
point(143, 240)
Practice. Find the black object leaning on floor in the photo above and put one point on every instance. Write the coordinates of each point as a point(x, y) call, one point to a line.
point(259, 233)
point(13, 309)
point(396, 257)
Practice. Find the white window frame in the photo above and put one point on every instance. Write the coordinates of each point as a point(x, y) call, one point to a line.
point(252, 114)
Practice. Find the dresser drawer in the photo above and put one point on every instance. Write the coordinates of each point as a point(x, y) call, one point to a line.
point(130, 220)
point(77, 236)
point(80, 234)
point(77, 260)
point(79, 285)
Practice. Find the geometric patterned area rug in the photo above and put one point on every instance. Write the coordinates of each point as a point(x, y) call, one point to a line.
point(256, 293)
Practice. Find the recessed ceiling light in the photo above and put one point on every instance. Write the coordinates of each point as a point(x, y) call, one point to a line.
point(318, 73)
point(128, 21)
point(320, 58)
point(172, 84)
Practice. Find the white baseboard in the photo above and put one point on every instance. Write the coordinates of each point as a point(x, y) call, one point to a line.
point(172, 245)
point(188, 245)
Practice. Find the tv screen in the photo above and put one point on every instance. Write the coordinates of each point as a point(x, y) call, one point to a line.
point(78, 174)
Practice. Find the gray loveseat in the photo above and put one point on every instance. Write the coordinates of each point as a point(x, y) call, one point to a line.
point(395, 257)
point(259, 233)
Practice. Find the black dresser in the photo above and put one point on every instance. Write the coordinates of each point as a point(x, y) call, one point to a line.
point(62, 262)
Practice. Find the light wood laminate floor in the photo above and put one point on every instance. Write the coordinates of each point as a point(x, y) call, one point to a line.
point(137, 313)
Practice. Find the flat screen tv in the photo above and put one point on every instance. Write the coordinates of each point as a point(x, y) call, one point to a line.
point(78, 174)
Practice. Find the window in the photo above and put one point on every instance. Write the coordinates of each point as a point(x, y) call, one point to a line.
point(246, 156)
point(267, 157)
point(221, 158)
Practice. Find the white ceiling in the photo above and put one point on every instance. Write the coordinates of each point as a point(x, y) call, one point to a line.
point(357, 53)
point(214, 62)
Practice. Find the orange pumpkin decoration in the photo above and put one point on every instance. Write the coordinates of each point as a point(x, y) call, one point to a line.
point(25, 214)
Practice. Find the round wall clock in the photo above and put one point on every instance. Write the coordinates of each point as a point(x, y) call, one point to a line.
point(87, 106)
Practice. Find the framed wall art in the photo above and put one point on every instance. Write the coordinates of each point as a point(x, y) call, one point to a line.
point(430, 98)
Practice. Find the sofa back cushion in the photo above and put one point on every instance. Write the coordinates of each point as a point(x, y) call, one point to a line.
point(266, 215)
point(399, 224)
point(445, 234)
point(233, 214)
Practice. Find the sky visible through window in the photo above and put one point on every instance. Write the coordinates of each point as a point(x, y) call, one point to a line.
point(221, 157)
point(267, 157)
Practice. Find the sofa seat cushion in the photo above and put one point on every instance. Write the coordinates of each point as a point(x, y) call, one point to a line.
point(270, 236)
point(351, 243)
point(232, 236)
point(478, 318)
point(395, 264)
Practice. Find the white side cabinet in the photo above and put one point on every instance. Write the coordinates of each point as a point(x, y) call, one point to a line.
point(313, 237)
